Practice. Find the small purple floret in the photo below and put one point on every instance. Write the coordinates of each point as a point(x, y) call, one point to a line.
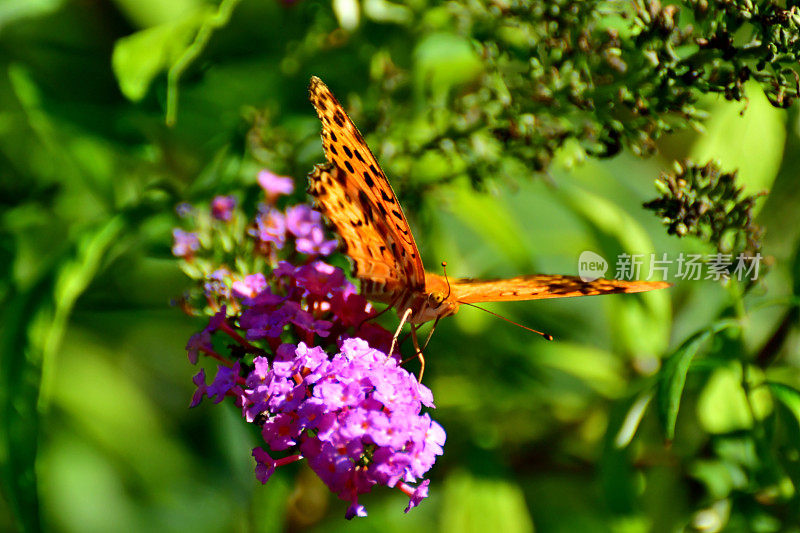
point(275, 185)
point(222, 207)
point(271, 227)
point(306, 225)
point(185, 243)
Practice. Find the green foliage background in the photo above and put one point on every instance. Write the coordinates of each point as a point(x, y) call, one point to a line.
point(668, 411)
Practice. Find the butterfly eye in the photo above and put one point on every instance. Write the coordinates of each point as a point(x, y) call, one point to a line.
point(436, 298)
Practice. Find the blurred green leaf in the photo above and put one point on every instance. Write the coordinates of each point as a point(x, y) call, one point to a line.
point(788, 395)
point(601, 370)
point(720, 477)
point(751, 143)
point(724, 404)
point(444, 60)
point(14, 10)
point(149, 13)
point(488, 218)
point(616, 472)
point(672, 377)
point(19, 423)
point(37, 318)
point(473, 504)
point(631, 421)
point(140, 57)
point(642, 322)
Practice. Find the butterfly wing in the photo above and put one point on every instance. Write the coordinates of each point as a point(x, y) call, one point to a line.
point(354, 194)
point(365, 236)
point(540, 286)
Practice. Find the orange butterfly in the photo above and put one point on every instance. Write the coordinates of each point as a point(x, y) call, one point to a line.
point(352, 191)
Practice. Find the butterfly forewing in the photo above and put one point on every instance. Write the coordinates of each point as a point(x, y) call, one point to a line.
point(359, 202)
point(542, 286)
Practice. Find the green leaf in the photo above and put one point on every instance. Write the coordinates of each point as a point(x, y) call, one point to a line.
point(672, 377)
point(615, 467)
point(19, 390)
point(444, 60)
point(149, 13)
point(490, 219)
point(600, 370)
point(476, 505)
point(632, 419)
point(642, 323)
point(140, 57)
point(730, 400)
point(789, 396)
point(751, 143)
point(14, 10)
point(34, 321)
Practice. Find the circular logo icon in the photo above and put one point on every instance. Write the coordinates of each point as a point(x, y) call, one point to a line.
point(591, 266)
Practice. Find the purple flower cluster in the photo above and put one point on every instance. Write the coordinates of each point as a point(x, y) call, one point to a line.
point(222, 207)
point(185, 243)
point(300, 221)
point(355, 418)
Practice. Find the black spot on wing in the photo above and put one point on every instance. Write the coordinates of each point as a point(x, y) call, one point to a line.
point(338, 118)
point(347, 165)
point(368, 179)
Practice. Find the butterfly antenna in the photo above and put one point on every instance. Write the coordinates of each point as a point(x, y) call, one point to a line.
point(547, 336)
point(444, 269)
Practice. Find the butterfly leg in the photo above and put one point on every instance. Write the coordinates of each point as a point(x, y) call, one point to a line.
point(418, 351)
point(399, 328)
point(430, 334)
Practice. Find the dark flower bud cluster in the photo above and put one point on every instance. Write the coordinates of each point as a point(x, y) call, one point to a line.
point(614, 74)
point(576, 77)
point(354, 414)
point(707, 203)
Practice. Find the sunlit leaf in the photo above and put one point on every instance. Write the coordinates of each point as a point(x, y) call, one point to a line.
point(476, 505)
point(751, 143)
point(788, 395)
point(724, 404)
point(672, 377)
point(632, 420)
point(140, 57)
point(13, 10)
point(149, 13)
point(444, 60)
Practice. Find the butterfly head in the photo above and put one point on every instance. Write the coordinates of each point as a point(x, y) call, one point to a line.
point(438, 302)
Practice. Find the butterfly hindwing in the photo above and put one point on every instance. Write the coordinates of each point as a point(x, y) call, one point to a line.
point(366, 238)
point(540, 286)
